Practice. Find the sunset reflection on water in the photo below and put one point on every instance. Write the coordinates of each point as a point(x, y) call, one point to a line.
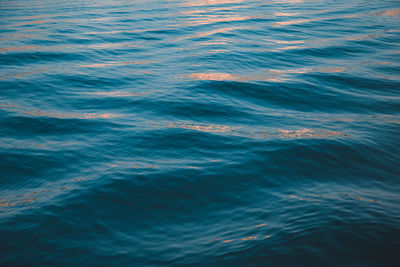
point(199, 132)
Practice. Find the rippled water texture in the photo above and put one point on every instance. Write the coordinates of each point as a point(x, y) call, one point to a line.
point(200, 132)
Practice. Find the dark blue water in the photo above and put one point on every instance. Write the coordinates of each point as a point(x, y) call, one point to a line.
point(200, 132)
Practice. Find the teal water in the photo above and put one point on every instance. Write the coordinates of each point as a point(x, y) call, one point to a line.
point(199, 132)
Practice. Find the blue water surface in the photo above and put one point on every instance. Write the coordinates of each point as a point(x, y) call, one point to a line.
point(199, 132)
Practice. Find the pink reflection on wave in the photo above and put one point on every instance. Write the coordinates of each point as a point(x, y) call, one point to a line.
point(272, 75)
point(202, 21)
point(304, 133)
point(212, 32)
point(116, 63)
point(59, 115)
point(18, 48)
point(209, 2)
point(232, 77)
point(210, 128)
point(115, 94)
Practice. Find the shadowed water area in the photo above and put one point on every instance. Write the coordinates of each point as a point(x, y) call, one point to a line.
point(199, 132)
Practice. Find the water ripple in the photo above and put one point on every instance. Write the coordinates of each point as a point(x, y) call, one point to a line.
point(199, 132)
